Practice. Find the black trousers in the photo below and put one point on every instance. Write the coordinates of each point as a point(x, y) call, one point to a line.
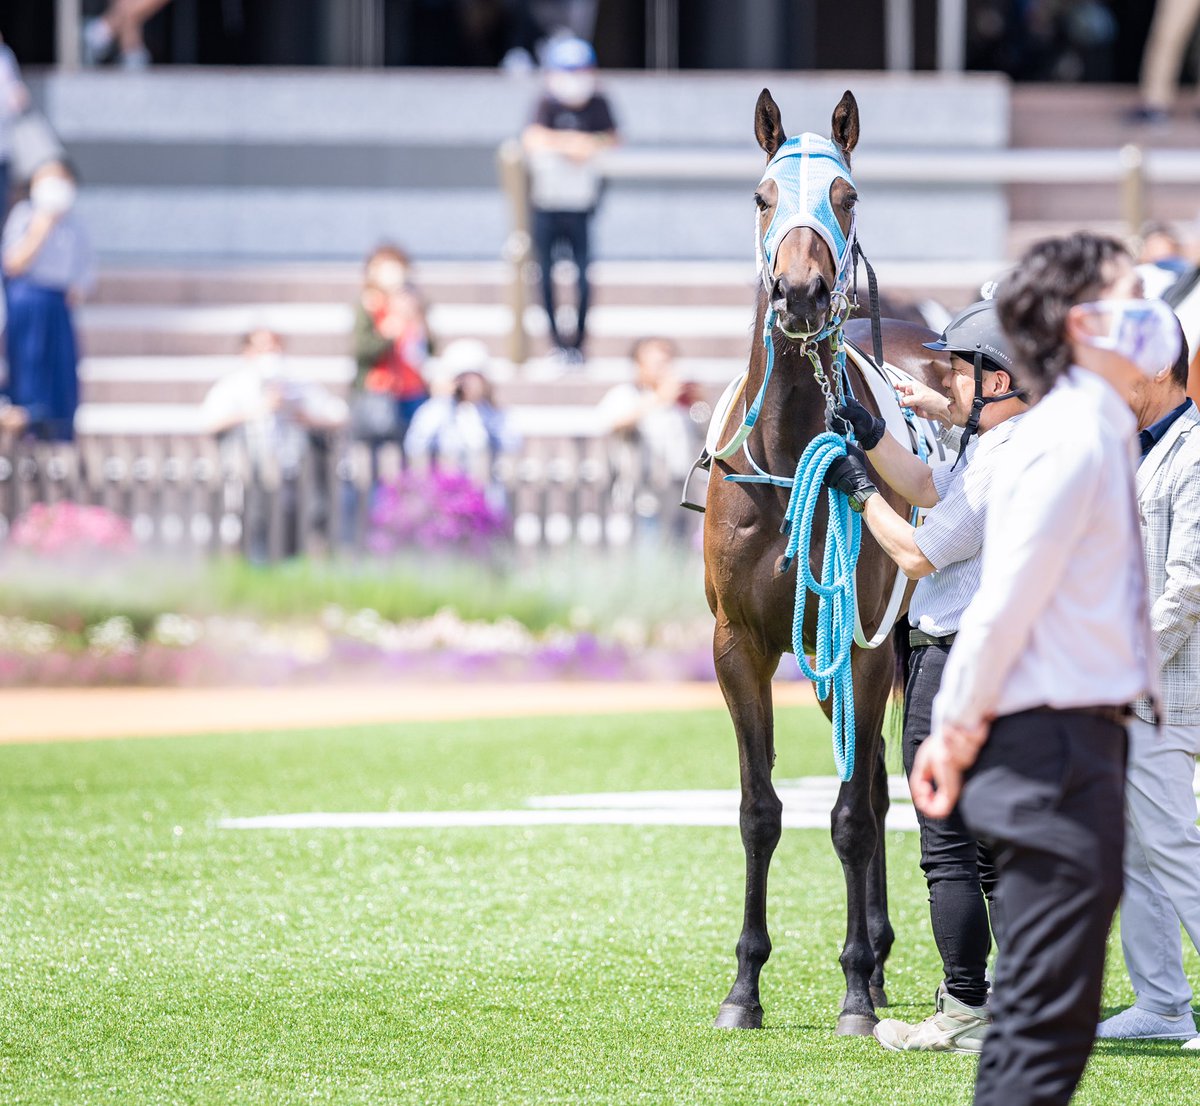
point(1047, 795)
point(554, 231)
point(958, 870)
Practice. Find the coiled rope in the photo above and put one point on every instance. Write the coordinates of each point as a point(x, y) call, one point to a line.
point(836, 599)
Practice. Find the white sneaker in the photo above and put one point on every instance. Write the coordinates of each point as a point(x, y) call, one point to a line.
point(955, 1027)
point(1136, 1024)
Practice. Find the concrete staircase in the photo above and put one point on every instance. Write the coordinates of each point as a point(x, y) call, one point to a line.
point(159, 332)
point(155, 340)
point(1091, 117)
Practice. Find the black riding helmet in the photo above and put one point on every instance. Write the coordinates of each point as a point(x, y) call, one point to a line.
point(975, 335)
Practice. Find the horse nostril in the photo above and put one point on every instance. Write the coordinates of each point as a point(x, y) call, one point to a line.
point(818, 293)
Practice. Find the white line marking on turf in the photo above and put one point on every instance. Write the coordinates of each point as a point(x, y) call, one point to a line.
point(806, 805)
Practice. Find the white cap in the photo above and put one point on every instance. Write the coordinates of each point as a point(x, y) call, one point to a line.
point(461, 356)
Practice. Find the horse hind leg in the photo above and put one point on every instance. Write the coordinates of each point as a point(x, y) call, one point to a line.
point(856, 836)
point(745, 678)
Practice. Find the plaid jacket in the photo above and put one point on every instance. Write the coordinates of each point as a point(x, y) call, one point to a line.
point(1168, 486)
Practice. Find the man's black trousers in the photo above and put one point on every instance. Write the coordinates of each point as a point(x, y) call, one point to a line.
point(556, 233)
point(1047, 796)
point(958, 870)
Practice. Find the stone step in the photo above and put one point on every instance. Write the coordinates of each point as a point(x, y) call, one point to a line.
point(1091, 116)
point(540, 421)
point(613, 283)
point(439, 282)
point(186, 381)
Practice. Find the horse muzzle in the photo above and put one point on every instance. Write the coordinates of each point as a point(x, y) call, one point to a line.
point(801, 311)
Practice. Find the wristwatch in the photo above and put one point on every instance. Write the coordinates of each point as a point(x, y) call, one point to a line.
point(858, 501)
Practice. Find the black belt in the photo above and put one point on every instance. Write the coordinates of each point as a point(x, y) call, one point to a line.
point(919, 638)
point(1118, 714)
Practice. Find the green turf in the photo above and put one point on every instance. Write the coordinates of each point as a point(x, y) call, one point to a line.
point(147, 956)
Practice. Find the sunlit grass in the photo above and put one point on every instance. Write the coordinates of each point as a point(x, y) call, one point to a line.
point(148, 956)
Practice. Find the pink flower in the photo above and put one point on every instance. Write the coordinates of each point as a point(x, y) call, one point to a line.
point(51, 529)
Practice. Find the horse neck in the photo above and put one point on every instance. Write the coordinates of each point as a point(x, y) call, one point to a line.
point(793, 411)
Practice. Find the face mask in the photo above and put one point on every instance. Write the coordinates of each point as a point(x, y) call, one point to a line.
point(268, 365)
point(1144, 332)
point(572, 89)
point(389, 276)
point(53, 195)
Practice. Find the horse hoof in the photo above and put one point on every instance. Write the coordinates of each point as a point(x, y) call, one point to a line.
point(738, 1017)
point(856, 1025)
point(878, 997)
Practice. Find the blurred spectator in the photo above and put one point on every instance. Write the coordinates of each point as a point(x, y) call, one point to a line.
point(1170, 35)
point(47, 261)
point(267, 415)
point(120, 29)
point(653, 415)
point(1161, 258)
point(391, 345)
point(14, 99)
point(461, 427)
point(572, 124)
point(267, 410)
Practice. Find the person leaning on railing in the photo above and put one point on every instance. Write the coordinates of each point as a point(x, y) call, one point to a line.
point(572, 124)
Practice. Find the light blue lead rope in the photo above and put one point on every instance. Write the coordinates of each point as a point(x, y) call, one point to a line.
point(835, 593)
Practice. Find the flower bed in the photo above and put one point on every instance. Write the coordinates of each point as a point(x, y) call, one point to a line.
point(441, 599)
point(340, 646)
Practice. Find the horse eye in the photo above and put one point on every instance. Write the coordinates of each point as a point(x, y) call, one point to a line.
point(849, 202)
point(760, 202)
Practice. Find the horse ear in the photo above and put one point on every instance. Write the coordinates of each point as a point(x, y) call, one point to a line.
point(768, 124)
point(845, 124)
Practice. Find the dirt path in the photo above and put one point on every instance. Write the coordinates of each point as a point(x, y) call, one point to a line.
point(74, 714)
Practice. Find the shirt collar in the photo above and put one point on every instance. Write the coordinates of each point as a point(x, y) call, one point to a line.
point(1000, 433)
point(1153, 434)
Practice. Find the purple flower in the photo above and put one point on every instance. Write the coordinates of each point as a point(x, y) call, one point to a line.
point(434, 511)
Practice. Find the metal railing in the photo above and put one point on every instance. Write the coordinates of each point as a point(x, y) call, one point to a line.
point(197, 496)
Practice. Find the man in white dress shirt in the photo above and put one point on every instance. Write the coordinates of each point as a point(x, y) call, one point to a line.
point(1050, 654)
point(1162, 846)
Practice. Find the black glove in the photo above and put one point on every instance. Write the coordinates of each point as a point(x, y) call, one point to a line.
point(849, 476)
point(867, 428)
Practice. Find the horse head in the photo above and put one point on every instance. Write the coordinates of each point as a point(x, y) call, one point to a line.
point(805, 225)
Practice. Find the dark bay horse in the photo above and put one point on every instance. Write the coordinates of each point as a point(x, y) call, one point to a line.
point(753, 601)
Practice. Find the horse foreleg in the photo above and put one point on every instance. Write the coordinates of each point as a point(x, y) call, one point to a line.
point(879, 924)
point(745, 679)
point(856, 836)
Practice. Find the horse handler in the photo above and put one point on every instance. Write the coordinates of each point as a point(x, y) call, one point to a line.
point(1162, 843)
point(1029, 726)
point(945, 555)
